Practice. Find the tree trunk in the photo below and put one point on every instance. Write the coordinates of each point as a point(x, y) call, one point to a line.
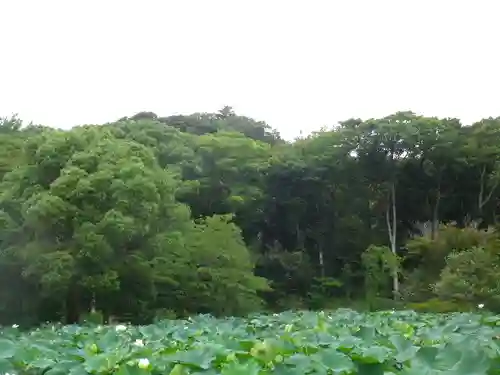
point(299, 238)
point(391, 220)
point(482, 199)
point(72, 306)
point(93, 303)
point(321, 262)
point(435, 214)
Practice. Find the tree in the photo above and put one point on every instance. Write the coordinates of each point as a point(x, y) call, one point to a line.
point(153, 216)
point(229, 173)
point(471, 276)
point(483, 154)
point(11, 141)
point(221, 280)
point(224, 120)
point(100, 222)
point(380, 264)
point(436, 150)
point(381, 146)
point(93, 204)
point(426, 256)
point(173, 149)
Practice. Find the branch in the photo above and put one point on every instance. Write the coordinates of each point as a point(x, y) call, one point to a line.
point(493, 188)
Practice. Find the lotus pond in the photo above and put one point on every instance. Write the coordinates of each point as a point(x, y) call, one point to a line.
point(337, 342)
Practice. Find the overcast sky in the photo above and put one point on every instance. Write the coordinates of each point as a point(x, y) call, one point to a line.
point(298, 65)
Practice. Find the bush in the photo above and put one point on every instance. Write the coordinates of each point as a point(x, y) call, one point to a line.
point(435, 305)
point(380, 304)
point(429, 257)
point(291, 302)
point(165, 314)
point(472, 276)
point(93, 317)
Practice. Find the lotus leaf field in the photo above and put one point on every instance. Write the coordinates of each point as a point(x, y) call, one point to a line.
point(337, 342)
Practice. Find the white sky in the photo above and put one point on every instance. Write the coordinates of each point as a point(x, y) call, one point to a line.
point(298, 65)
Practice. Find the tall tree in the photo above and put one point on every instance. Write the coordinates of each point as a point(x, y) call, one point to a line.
point(436, 148)
point(381, 145)
point(483, 154)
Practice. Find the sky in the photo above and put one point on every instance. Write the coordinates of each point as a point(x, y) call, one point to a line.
point(298, 65)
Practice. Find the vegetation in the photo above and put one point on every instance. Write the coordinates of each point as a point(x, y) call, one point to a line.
point(345, 343)
point(150, 217)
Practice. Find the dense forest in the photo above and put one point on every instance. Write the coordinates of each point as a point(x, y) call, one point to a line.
point(150, 217)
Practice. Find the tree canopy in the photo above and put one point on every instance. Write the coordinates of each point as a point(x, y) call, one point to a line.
point(214, 213)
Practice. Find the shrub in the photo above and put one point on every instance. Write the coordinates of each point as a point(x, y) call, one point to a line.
point(93, 317)
point(472, 276)
point(435, 305)
point(429, 257)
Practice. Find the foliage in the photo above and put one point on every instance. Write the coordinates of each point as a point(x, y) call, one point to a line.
point(215, 213)
point(91, 215)
point(472, 275)
point(342, 342)
point(435, 305)
point(93, 318)
point(212, 271)
point(379, 264)
point(428, 255)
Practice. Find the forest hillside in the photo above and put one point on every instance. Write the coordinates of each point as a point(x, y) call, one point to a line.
point(149, 217)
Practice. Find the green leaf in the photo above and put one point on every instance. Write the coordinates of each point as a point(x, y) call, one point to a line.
point(7, 349)
point(98, 363)
point(65, 367)
point(179, 370)
point(405, 348)
point(42, 363)
point(333, 360)
point(366, 333)
point(194, 358)
point(247, 368)
point(301, 362)
point(131, 370)
point(370, 369)
point(472, 362)
point(374, 354)
point(6, 366)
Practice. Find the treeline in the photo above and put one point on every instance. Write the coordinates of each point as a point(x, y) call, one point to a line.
point(151, 217)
